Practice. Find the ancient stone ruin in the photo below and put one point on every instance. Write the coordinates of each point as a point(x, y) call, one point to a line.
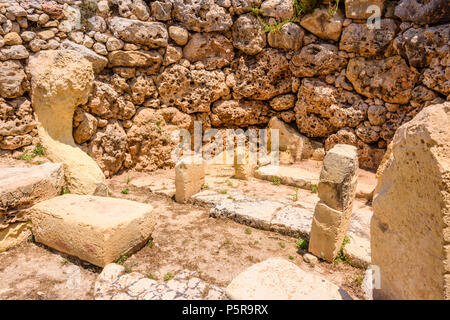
point(224, 149)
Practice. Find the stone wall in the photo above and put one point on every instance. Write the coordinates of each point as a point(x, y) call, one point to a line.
point(160, 65)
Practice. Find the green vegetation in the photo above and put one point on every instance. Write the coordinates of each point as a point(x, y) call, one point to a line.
point(168, 276)
point(296, 195)
point(125, 191)
point(248, 231)
point(340, 257)
point(152, 276)
point(65, 190)
point(282, 245)
point(276, 181)
point(302, 243)
point(223, 191)
point(291, 258)
point(122, 259)
point(37, 151)
point(314, 188)
point(150, 243)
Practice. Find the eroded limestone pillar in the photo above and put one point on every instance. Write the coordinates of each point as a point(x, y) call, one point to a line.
point(60, 81)
point(410, 227)
point(189, 177)
point(337, 189)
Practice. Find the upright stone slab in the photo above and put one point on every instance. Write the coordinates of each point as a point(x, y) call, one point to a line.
point(243, 168)
point(20, 188)
point(410, 228)
point(189, 177)
point(337, 190)
point(95, 229)
point(60, 81)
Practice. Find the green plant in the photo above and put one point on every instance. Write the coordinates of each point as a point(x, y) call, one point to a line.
point(65, 190)
point(302, 243)
point(248, 231)
point(125, 191)
point(158, 124)
point(333, 7)
point(168, 276)
point(64, 262)
point(223, 191)
point(26, 157)
point(122, 259)
point(291, 258)
point(314, 188)
point(256, 11)
point(276, 180)
point(128, 180)
point(128, 269)
point(282, 245)
point(150, 243)
point(38, 150)
point(359, 279)
point(296, 195)
point(152, 276)
point(340, 257)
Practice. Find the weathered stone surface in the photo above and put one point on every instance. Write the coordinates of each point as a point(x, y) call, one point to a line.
point(337, 189)
point(322, 109)
point(14, 234)
point(16, 117)
point(162, 10)
point(95, 229)
point(189, 177)
point(212, 49)
point(322, 25)
point(22, 187)
point(108, 147)
point(152, 34)
point(244, 6)
point(248, 34)
point(296, 177)
point(263, 76)
point(62, 80)
point(13, 81)
point(358, 9)
point(179, 35)
point(296, 145)
point(316, 60)
point(151, 60)
point(283, 102)
point(289, 37)
point(201, 16)
point(241, 113)
point(279, 279)
point(243, 166)
point(87, 127)
point(426, 12)
point(115, 284)
point(358, 38)
point(389, 79)
point(98, 62)
point(411, 202)
point(437, 76)
point(421, 45)
point(16, 52)
point(280, 9)
point(191, 91)
point(292, 221)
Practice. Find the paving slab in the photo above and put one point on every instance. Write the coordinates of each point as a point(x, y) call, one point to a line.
point(279, 279)
point(95, 229)
point(114, 284)
point(288, 175)
point(293, 221)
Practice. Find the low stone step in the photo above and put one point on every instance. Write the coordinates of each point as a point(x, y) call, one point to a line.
point(20, 188)
point(95, 229)
point(278, 279)
point(292, 176)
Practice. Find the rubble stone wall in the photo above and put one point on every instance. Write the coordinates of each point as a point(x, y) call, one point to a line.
point(162, 65)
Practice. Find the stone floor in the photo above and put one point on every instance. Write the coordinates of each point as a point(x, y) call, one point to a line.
point(286, 206)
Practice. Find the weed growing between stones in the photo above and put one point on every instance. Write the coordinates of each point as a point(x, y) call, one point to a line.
point(168, 276)
point(340, 257)
point(301, 243)
point(276, 181)
point(125, 191)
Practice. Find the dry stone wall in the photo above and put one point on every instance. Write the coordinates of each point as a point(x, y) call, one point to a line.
point(161, 65)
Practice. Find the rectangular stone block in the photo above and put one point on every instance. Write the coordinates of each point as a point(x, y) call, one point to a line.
point(189, 177)
point(95, 229)
point(338, 178)
point(328, 231)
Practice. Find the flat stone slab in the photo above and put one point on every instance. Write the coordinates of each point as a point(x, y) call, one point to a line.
point(114, 284)
point(293, 221)
point(292, 176)
point(22, 187)
point(161, 186)
point(95, 229)
point(278, 279)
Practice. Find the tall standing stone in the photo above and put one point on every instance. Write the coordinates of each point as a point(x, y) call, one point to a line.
point(337, 189)
point(410, 228)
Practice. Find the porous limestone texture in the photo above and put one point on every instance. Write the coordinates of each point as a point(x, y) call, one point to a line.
point(95, 229)
point(410, 238)
point(279, 279)
point(61, 80)
point(189, 177)
point(337, 190)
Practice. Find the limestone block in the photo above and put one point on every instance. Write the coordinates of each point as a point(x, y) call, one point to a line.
point(410, 239)
point(61, 80)
point(243, 166)
point(357, 9)
point(95, 229)
point(278, 279)
point(189, 177)
point(338, 178)
point(13, 235)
